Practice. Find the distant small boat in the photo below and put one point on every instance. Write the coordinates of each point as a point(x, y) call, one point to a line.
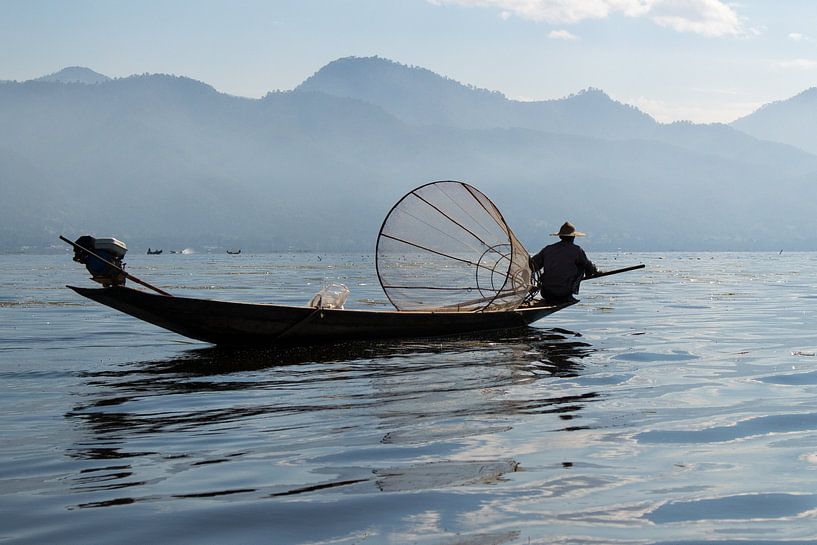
point(154, 252)
point(234, 253)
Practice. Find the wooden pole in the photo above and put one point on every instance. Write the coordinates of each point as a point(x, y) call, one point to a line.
point(615, 271)
point(120, 269)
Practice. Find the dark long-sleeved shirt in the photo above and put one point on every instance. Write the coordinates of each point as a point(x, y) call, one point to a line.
point(563, 266)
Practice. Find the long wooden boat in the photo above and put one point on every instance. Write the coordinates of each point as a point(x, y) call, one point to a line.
point(233, 323)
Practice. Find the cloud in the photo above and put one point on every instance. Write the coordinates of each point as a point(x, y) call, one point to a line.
point(706, 17)
point(799, 64)
point(798, 37)
point(553, 11)
point(757, 30)
point(562, 35)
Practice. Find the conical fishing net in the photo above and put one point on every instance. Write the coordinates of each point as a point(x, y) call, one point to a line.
point(446, 247)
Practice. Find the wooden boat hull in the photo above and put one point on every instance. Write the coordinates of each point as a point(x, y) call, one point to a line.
point(231, 323)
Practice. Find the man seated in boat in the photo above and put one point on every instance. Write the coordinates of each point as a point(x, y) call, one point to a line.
point(562, 266)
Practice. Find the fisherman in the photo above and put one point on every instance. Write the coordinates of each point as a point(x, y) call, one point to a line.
point(563, 265)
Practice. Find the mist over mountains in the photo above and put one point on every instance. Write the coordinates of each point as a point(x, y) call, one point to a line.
point(159, 160)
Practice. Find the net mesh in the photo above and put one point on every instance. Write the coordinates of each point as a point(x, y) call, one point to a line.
point(446, 247)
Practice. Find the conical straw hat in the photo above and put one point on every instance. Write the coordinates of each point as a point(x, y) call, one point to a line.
point(567, 230)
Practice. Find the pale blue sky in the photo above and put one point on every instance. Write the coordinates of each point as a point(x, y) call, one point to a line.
point(704, 60)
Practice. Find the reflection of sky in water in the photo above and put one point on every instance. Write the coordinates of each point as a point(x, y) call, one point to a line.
point(762, 425)
point(748, 506)
point(672, 404)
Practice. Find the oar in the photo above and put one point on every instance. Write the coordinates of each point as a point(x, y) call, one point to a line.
point(120, 269)
point(615, 271)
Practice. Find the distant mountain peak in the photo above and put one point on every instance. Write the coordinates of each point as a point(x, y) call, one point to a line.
point(75, 74)
point(418, 96)
point(591, 94)
point(593, 91)
point(367, 63)
point(354, 77)
point(789, 121)
point(806, 97)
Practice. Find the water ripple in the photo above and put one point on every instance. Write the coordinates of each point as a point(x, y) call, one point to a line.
point(743, 507)
point(762, 425)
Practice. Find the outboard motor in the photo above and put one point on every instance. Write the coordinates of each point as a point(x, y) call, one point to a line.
point(108, 249)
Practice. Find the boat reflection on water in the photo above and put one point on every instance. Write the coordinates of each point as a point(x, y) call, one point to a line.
point(366, 406)
point(558, 351)
point(384, 371)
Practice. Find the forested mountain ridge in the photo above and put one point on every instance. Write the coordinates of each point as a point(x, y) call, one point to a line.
point(165, 160)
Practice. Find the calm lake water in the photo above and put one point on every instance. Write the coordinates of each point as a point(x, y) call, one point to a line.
point(673, 404)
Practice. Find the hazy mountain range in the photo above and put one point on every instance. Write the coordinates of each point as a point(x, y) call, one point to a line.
point(160, 160)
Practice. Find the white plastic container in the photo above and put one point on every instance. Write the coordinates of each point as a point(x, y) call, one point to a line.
point(332, 296)
point(111, 245)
